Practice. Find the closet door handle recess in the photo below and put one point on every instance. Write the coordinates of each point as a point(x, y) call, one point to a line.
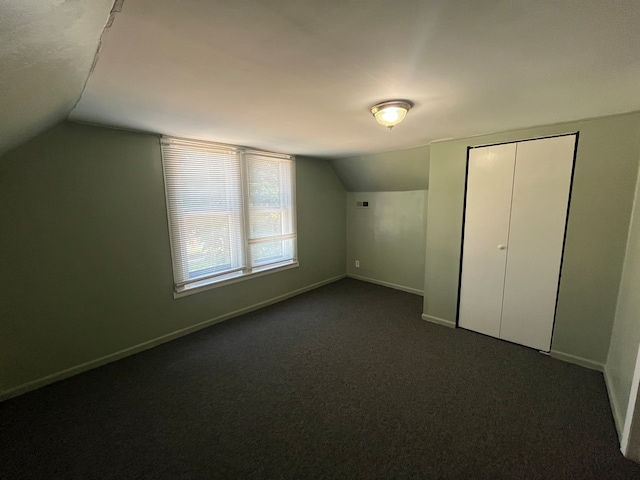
point(502, 247)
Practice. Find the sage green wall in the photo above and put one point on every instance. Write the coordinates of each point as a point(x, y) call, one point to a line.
point(602, 196)
point(86, 266)
point(625, 339)
point(399, 170)
point(387, 238)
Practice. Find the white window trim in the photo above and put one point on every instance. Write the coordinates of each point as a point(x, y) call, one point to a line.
point(240, 274)
point(194, 288)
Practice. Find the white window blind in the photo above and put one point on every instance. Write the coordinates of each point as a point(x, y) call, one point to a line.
point(270, 207)
point(231, 211)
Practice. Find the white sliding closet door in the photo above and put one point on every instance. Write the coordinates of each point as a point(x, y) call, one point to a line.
point(486, 234)
point(538, 216)
point(515, 217)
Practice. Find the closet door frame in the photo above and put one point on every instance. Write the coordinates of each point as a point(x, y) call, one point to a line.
point(568, 209)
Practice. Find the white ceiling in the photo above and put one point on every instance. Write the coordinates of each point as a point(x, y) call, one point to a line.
point(299, 76)
point(46, 51)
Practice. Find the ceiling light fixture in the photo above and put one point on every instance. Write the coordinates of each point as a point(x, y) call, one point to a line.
point(391, 113)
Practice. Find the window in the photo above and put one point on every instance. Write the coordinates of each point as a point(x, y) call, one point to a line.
point(231, 212)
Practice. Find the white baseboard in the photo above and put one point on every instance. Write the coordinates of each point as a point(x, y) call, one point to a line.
point(631, 431)
point(415, 291)
point(583, 362)
point(112, 357)
point(438, 320)
point(613, 401)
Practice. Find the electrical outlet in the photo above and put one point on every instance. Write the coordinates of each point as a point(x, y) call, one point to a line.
point(357, 263)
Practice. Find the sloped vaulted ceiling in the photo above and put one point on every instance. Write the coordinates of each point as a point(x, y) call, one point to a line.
point(46, 51)
point(299, 76)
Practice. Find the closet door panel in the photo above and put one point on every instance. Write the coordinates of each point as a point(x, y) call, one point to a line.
point(486, 230)
point(538, 216)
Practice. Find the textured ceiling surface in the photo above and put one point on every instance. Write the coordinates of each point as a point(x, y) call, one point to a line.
point(46, 51)
point(300, 76)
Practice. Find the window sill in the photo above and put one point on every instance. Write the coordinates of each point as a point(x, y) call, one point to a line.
point(240, 278)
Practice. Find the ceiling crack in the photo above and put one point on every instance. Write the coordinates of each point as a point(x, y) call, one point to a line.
point(117, 8)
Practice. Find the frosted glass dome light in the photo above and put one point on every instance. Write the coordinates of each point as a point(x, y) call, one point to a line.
point(391, 113)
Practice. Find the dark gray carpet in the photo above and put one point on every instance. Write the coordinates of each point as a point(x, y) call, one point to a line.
point(344, 382)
